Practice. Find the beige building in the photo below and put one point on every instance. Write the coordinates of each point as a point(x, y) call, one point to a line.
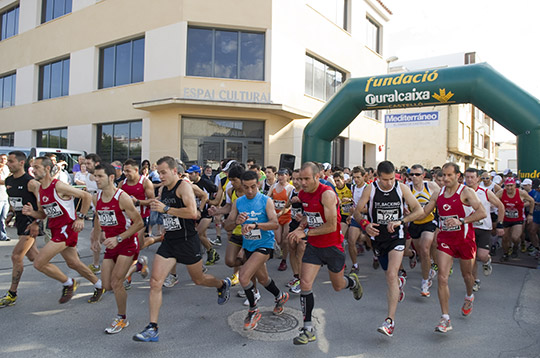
point(200, 80)
point(432, 136)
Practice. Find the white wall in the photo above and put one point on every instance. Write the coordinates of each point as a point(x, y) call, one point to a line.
point(83, 71)
point(164, 53)
point(82, 138)
point(26, 86)
point(29, 14)
point(24, 139)
point(145, 153)
point(79, 4)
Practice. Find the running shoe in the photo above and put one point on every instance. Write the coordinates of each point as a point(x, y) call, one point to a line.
point(443, 326)
point(95, 269)
point(357, 290)
point(67, 292)
point(117, 325)
point(7, 300)
point(476, 285)
point(127, 284)
point(241, 293)
point(523, 247)
point(402, 282)
point(451, 270)
point(487, 268)
point(235, 280)
point(413, 260)
point(434, 267)
point(402, 273)
point(213, 257)
point(280, 302)
point(425, 289)
point(149, 334)
point(505, 258)
point(305, 337)
point(143, 261)
point(467, 306)
point(387, 327)
point(375, 263)
point(530, 248)
point(291, 282)
point(98, 294)
point(534, 252)
point(354, 269)
point(282, 265)
point(493, 250)
point(514, 253)
point(295, 288)
point(170, 281)
point(257, 295)
point(224, 292)
point(360, 249)
point(251, 320)
point(217, 241)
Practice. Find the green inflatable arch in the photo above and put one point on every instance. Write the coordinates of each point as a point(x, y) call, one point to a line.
point(479, 84)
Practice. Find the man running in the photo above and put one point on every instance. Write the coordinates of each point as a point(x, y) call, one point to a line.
point(257, 216)
point(91, 160)
point(22, 189)
point(279, 193)
point(120, 221)
point(296, 249)
point(456, 238)
point(181, 244)
point(321, 227)
point(56, 203)
point(385, 199)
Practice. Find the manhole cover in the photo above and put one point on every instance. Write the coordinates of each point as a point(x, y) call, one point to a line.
point(270, 323)
point(270, 327)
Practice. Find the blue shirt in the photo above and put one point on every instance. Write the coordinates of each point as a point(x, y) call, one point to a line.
point(536, 212)
point(256, 209)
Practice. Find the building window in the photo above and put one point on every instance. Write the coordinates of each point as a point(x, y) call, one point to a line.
point(7, 139)
point(336, 11)
point(7, 90)
point(373, 35)
point(225, 54)
point(54, 79)
point(51, 9)
point(9, 23)
point(121, 64)
point(338, 152)
point(322, 80)
point(373, 114)
point(468, 134)
point(120, 141)
point(52, 138)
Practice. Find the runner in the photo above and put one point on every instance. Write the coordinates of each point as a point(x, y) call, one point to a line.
point(385, 199)
point(346, 203)
point(296, 249)
point(22, 189)
point(270, 179)
point(279, 193)
point(488, 184)
point(321, 227)
point(56, 203)
point(456, 238)
point(120, 220)
point(257, 216)
point(533, 228)
point(181, 244)
point(91, 161)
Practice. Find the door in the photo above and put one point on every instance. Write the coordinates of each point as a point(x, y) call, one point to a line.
point(210, 152)
point(235, 149)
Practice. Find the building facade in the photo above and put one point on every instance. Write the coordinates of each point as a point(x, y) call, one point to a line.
point(198, 80)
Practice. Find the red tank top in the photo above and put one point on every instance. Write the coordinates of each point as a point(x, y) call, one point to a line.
point(314, 211)
point(59, 211)
point(112, 218)
point(513, 207)
point(280, 200)
point(453, 207)
point(137, 191)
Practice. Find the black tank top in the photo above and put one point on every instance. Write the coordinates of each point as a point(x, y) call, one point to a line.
point(384, 207)
point(176, 228)
point(17, 189)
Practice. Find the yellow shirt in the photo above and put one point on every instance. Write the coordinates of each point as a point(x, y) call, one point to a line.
point(345, 207)
point(423, 197)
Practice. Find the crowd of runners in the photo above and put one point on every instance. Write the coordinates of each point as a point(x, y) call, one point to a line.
point(309, 217)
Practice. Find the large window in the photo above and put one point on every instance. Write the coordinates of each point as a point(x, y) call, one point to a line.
point(51, 9)
point(9, 23)
point(121, 63)
point(54, 79)
point(225, 54)
point(52, 138)
point(334, 10)
point(373, 35)
point(322, 80)
point(120, 141)
point(7, 90)
point(7, 140)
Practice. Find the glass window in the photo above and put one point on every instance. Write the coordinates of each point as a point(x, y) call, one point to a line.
point(9, 23)
point(51, 9)
point(121, 63)
point(373, 36)
point(120, 141)
point(7, 90)
point(54, 79)
point(7, 139)
point(334, 10)
point(225, 54)
point(322, 80)
point(52, 138)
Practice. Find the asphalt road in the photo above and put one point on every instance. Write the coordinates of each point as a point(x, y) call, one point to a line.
point(505, 321)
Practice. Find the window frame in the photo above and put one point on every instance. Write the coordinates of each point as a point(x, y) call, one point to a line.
point(39, 137)
point(42, 68)
point(378, 33)
point(10, 137)
point(13, 76)
point(44, 9)
point(114, 61)
point(313, 83)
point(111, 157)
point(3, 30)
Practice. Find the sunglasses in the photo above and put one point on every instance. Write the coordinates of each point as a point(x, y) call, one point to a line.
point(485, 178)
point(416, 174)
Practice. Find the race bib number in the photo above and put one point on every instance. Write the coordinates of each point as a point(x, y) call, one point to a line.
point(511, 213)
point(314, 219)
point(16, 203)
point(444, 227)
point(107, 218)
point(279, 204)
point(254, 234)
point(52, 210)
point(347, 208)
point(384, 216)
point(296, 211)
point(171, 223)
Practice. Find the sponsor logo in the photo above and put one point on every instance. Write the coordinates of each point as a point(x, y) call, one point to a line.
point(531, 175)
point(442, 96)
point(446, 207)
point(396, 98)
point(45, 199)
point(402, 79)
point(444, 245)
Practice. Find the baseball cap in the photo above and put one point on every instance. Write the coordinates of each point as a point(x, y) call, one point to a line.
point(509, 181)
point(327, 166)
point(526, 182)
point(283, 171)
point(497, 179)
point(507, 171)
point(229, 165)
point(194, 169)
point(492, 173)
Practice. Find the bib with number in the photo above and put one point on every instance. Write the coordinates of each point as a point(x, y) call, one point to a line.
point(254, 234)
point(16, 203)
point(314, 219)
point(53, 210)
point(107, 218)
point(444, 227)
point(384, 216)
point(171, 223)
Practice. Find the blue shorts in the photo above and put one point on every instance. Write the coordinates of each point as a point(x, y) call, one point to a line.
point(354, 223)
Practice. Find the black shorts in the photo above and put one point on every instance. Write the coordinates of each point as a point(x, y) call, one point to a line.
point(293, 225)
point(416, 230)
point(22, 222)
point(236, 240)
point(512, 223)
point(262, 250)
point(344, 218)
point(331, 256)
point(381, 248)
point(483, 238)
point(187, 252)
point(146, 222)
point(494, 217)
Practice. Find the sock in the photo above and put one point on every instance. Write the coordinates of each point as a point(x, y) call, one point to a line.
point(350, 282)
point(355, 265)
point(308, 326)
point(307, 301)
point(488, 261)
point(471, 297)
point(424, 282)
point(446, 316)
point(13, 293)
point(296, 276)
point(123, 316)
point(250, 295)
point(153, 325)
point(272, 288)
point(69, 282)
point(98, 284)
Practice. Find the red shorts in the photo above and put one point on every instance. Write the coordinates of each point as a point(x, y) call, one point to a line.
point(464, 249)
point(128, 247)
point(65, 234)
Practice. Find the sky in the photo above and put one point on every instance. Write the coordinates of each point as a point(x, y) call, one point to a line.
point(502, 33)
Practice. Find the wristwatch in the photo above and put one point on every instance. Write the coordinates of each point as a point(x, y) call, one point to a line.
point(80, 216)
point(256, 226)
point(462, 221)
point(138, 203)
point(306, 230)
point(119, 239)
point(166, 208)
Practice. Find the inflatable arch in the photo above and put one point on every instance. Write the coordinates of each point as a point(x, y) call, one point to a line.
point(478, 84)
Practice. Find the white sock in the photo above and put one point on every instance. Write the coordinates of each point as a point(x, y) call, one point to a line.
point(446, 316)
point(98, 284)
point(69, 282)
point(424, 282)
point(471, 297)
